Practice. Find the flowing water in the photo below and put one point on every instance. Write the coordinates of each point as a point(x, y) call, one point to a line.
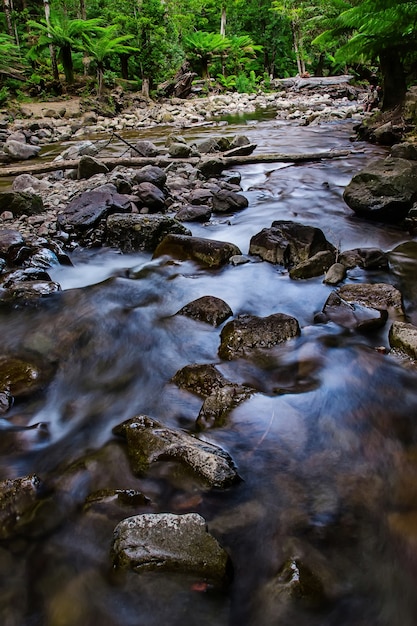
point(326, 447)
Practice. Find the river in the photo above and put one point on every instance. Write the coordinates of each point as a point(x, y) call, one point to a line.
point(326, 448)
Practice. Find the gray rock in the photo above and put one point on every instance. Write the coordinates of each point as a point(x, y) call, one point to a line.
point(151, 174)
point(314, 266)
point(79, 149)
point(404, 150)
point(151, 197)
point(26, 182)
point(387, 134)
point(384, 191)
point(149, 441)
point(180, 150)
point(20, 151)
point(366, 258)
point(29, 291)
point(88, 166)
point(247, 333)
point(209, 252)
point(403, 338)
point(201, 195)
point(335, 274)
point(87, 209)
point(225, 201)
point(168, 542)
point(21, 203)
point(288, 243)
point(238, 141)
point(134, 232)
point(194, 213)
point(351, 314)
point(144, 148)
point(381, 296)
point(208, 309)
point(18, 498)
point(211, 167)
point(10, 240)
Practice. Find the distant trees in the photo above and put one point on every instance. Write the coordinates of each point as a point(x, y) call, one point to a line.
point(235, 40)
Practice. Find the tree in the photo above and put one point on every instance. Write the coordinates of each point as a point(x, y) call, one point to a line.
point(10, 60)
point(65, 34)
point(104, 45)
point(383, 31)
point(204, 47)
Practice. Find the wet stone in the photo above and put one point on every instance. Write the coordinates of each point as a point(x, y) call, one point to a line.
point(168, 542)
point(249, 332)
point(208, 309)
point(144, 148)
point(87, 209)
point(352, 315)
point(377, 295)
point(88, 166)
point(17, 498)
point(366, 258)
point(206, 251)
point(335, 274)
point(134, 232)
point(225, 201)
point(314, 266)
point(149, 441)
point(217, 406)
point(9, 240)
point(201, 379)
point(21, 378)
point(150, 196)
point(403, 337)
point(30, 291)
point(288, 243)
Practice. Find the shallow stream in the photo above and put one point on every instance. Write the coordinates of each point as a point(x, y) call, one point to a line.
point(326, 448)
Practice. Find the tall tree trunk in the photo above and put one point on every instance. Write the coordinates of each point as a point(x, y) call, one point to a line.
point(124, 66)
point(145, 87)
point(52, 50)
point(66, 57)
point(296, 48)
point(394, 84)
point(223, 20)
point(8, 15)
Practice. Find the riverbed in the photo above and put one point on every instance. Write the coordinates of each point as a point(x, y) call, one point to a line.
point(326, 447)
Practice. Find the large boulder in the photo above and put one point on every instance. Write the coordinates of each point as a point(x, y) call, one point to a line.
point(149, 441)
point(150, 174)
point(88, 166)
point(135, 232)
point(168, 542)
point(248, 332)
point(289, 243)
point(21, 203)
point(225, 201)
point(90, 207)
point(206, 251)
point(20, 151)
point(144, 148)
point(385, 190)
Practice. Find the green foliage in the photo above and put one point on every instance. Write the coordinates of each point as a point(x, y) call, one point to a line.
point(11, 63)
point(4, 95)
point(246, 83)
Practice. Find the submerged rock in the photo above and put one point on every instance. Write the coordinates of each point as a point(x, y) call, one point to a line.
point(207, 251)
point(208, 309)
point(289, 243)
point(248, 332)
point(365, 258)
point(221, 395)
point(149, 441)
point(168, 542)
point(18, 498)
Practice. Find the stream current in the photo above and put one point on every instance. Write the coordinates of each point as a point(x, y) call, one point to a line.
point(326, 448)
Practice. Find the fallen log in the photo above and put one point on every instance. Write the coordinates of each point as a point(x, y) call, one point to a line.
point(165, 161)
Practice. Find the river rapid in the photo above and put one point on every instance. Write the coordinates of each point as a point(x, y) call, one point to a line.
point(326, 447)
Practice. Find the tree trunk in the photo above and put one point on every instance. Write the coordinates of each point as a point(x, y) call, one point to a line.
point(52, 50)
point(296, 48)
point(223, 21)
point(124, 66)
point(66, 57)
point(7, 13)
point(394, 86)
point(145, 87)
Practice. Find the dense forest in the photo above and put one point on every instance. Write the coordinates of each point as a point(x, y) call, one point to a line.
point(56, 46)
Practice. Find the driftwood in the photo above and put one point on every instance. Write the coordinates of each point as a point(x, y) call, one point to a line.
point(165, 161)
